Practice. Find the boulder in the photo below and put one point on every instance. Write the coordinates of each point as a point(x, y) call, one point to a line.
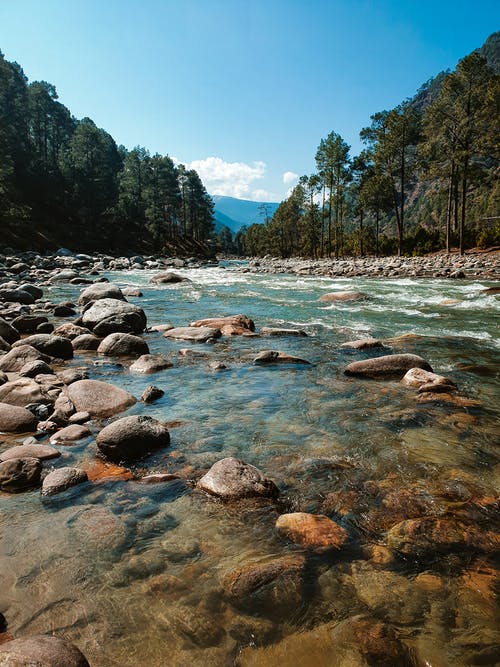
point(99, 291)
point(53, 346)
point(19, 475)
point(233, 325)
point(131, 291)
point(132, 437)
point(275, 331)
point(24, 391)
point(376, 641)
point(342, 296)
point(41, 651)
point(231, 478)
point(194, 334)
point(71, 331)
point(35, 291)
point(3, 378)
point(107, 316)
point(7, 332)
point(168, 277)
point(311, 530)
point(388, 366)
point(61, 479)
point(150, 363)
point(27, 324)
point(122, 344)
point(151, 394)
point(4, 346)
point(70, 434)
point(34, 368)
point(70, 375)
point(426, 381)
point(363, 344)
point(13, 361)
point(276, 357)
point(14, 419)
point(99, 399)
point(30, 451)
point(16, 296)
point(85, 343)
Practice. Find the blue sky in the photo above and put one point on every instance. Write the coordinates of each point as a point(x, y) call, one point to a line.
point(243, 90)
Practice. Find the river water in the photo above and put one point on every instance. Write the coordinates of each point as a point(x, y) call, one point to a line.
point(134, 574)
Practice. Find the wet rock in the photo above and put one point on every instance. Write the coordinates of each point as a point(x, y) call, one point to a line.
point(363, 344)
point(14, 419)
point(388, 366)
point(63, 311)
point(4, 346)
point(194, 334)
point(63, 409)
point(276, 357)
point(158, 478)
point(217, 366)
point(441, 396)
point(13, 361)
point(16, 296)
point(426, 381)
point(132, 437)
point(107, 316)
point(19, 475)
point(131, 291)
point(24, 391)
point(103, 471)
point(35, 291)
point(34, 368)
point(275, 331)
point(231, 478)
point(428, 535)
point(27, 324)
point(71, 375)
point(233, 325)
point(70, 434)
point(98, 291)
point(45, 327)
point(196, 625)
point(342, 296)
point(168, 277)
point(311, 530)
point(41, 651)
point(79, 418)
point(150, 363)
point(61, 479)
point(151, 394)
point(163, 327)
point(71, 331)
point(101, 531)
point(7, 332)
point(85, 342)
point(491, 290)
point(99, 399)
point(123, 344)
point(30, 451)
point(48, 344)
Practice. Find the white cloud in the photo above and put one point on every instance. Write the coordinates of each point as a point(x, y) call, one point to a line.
point(289, 177)
point(262, 195)
point(232, 179)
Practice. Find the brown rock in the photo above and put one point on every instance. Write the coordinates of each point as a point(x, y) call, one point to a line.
point(419, 378)
point(13, 361)
point(30, 451)
point(99, 399)
point(24, 391)
point(19, 475)
point(70, 434)
point(14, 419)
point(102, 471)
point(48, 344)
point(86, 342)
point(275, 331)
point(231, 478)
point(277, 357)
point(343, 296)
point(388, 366)
point(447, 399)
point(168, 277)
point(100, 291)
point(311, 530)
point(41, 651)
point(233, 325)
point(150, 363)
point(71, 331)
point(194, 334)
point(363, 344)
point(151, 394)
point(62, 479)
point(132, 437)
point(123, 344)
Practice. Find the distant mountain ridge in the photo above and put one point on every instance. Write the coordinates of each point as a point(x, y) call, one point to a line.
point(236, 213)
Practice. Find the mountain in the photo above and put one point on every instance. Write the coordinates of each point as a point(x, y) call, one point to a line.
point(235, 213)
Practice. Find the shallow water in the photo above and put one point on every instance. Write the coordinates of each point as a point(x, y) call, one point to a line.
point(133, 573)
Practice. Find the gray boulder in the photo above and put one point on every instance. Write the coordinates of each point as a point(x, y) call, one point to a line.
point(150, 363)
point(168, 277)
point(107, 316)
point(70, 434)
point(231, 478)
point(123, 344)
point(70, 330)
point(34, 368)
point(16, 296)
point(99, 291)
point(41, 651)
point(132, 437)
point(276, 357)
point(61, 479)
point(194, 334)
point(53, 346)
point(27, 324)
point(388, 366)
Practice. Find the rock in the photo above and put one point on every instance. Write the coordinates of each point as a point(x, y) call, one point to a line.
point(70, 434)
point(122, 344)
point(151, 394)
point(41, 651)
point(277, 357)
point(63, 311)
point(24, 391)
point(98, 291)
point(363, 344)
point(217, 366)
point(158, 478)
point(4, 346)
point(71, 331)
point(3, 378)
point(16, 296)
point(422, 379)
point(439, 395)
point(79, 418)
point(131, 291)
point(150, 363)
point(342, 296)
point(71, 375)
point(274, 331)
point(14, 419)
point(27, 324)
point(45, 327)
point(7, 332)
point(63, 409)
point(61, 479)
point(375, 640)
point(99, 399)
point(13, 361)
point(19, 475)
point(85, 342)
point(194, 334)
point(233, 325)
point(311, 530)
point(491, 290)
point(168, 277)
point(428, 535)
point(102, 471)
point(107, 316)
point(231, 478)
point(34, 368)
point(30, 451)
point(163, 327)
point(388, 366)
point(35, 291)
point(53, 346)
point(132, 437)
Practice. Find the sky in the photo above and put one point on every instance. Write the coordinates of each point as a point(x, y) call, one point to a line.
point(240, 90)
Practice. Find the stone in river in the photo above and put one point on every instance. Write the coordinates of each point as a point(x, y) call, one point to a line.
point(231, 478)
point(19, 475)
point(491, 290)
point(103, 471)
point(13, 361)
point(150, 363)
point(4, 346)
point(53, 346)
point(151, 394)
point(7, 332)
point(30, 451)
point(27, 324)
point(99, 291)
point(275, 331)
point(15, 419)
point(363, 344)
point(70, 434)
point(132, 437)
point(233, 325)
point(438, 395)
point(343, 296)
point(107, 316)
point(419, 378)
point(311, 530)
point(16, 296)
point(41, 651)
point(86, 342)
point(277, 357)
point(61, 479)
point(24, 391)
point(70, 330)
point(388, 366)
point(70, 375)
point(34, 368)
point(99, 399)
point(168, 277)
point(194, 334)
point(122, 344)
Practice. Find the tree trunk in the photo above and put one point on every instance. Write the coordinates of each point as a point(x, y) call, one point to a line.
point(361, 215)
point(463, 211)
point(377, 220)
point(449, 207)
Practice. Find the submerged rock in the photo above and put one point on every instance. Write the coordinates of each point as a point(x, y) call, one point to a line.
point(233, 325)
point(61, 479)
point(426, 381)
point(132, 437)
point(19, 475)
point(388, 366)
point(194, 334)
point(311, 530)
point(231, 478)
point(99, 399)
point(41, 651)
point(277, 357)
point(150, 363)
point(151, 394)
point(168, 277)
point(15, 419)
point(363, 344)
point(342, 296)
point(275, 331)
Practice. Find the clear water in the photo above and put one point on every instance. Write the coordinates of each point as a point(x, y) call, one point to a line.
point(133, 573)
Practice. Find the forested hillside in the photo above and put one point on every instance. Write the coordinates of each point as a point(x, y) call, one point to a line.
point(427, 178)
point(64, 181)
